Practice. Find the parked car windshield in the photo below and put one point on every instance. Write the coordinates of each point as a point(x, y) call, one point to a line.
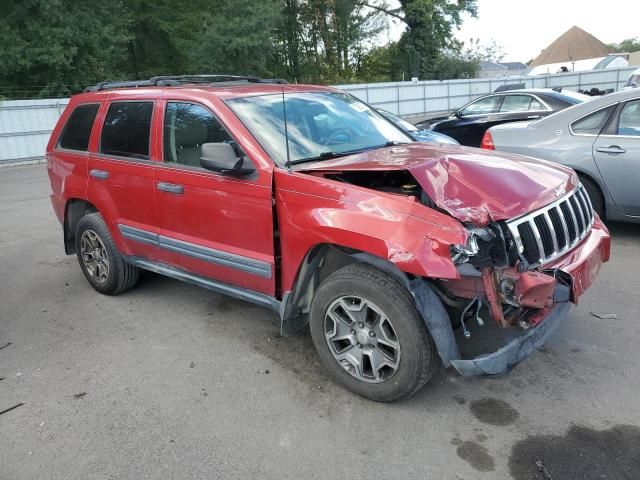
point(400, 122)
point(319, 124)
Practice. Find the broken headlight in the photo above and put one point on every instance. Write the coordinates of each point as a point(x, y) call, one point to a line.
point(485, 247)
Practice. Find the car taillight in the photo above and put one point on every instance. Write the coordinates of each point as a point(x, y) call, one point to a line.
point(487, 141)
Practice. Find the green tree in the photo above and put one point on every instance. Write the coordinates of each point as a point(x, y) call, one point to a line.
point(429, 34)
point(236, 37)
point(628, 45)
point(162, 32)
point(57, 47)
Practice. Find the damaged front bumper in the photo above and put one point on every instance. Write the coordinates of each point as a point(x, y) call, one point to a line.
point(581, 265)
point(508, 356)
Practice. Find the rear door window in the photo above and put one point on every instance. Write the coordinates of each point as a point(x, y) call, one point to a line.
point(516, 103)
point(77, 130)
point(482, 106)
point(126, 130)
point(629, 124)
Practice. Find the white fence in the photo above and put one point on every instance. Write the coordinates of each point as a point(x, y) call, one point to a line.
point(25, 125)
point(422, 98)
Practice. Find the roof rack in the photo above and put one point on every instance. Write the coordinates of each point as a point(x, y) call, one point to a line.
point(178, 80)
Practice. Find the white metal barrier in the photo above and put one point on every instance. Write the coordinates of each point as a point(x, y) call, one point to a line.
point(421, 98)
point(25, 125)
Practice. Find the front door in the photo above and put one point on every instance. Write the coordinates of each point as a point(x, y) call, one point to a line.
point(617, 154)
point(212, 225)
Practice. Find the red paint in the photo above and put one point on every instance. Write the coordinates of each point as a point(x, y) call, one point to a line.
point(471, 185)
point(236, 215)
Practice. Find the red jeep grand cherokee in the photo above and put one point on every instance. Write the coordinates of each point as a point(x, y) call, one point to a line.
point(307, 201)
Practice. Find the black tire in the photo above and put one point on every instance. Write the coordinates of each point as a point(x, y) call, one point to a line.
point(595, 195)
point(417, 353)
point(121, 275)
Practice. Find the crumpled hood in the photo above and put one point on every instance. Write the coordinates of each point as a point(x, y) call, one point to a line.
point(472, 185)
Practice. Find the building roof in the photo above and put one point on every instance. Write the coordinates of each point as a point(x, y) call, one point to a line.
point(513, 65)
point(574, 44)
point(487, 65)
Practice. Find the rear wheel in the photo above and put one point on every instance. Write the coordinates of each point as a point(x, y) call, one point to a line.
point(369, 335)
point(595, 195)
point(100, 261)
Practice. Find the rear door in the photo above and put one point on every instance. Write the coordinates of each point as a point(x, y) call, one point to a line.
point(212, 225)
point(617, 154)
point(471, 122)
point(121, 176)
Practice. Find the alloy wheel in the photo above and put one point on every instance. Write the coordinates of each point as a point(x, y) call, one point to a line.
point(362, 339)
point(94, 256)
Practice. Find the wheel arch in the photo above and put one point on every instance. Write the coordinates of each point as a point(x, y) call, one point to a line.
point(324, 259)
point(74, 210)
point(321, 261)
point(606, 198)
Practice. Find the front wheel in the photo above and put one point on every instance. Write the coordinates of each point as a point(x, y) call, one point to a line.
point(369, 335)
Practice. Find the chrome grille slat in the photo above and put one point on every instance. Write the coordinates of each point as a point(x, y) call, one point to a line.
point(586, 195)
point(573, 210)
point(554, 237)
point(575, 223)
point(536, 234)
point(565, 229)
point(587, 205)
point(582, 222)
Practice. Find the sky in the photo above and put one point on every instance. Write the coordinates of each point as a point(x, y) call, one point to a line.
point(524, 28)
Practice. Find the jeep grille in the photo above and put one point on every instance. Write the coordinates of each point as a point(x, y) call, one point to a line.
point(548, 233)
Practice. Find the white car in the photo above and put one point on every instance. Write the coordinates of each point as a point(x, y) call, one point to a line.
point(634, 80)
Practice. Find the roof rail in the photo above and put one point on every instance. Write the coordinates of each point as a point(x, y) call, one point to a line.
point(177, 80)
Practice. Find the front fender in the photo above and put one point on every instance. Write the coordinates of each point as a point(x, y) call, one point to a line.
point(411, 236)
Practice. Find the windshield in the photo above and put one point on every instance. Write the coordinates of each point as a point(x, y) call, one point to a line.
point(320, 125)
point(400, 122)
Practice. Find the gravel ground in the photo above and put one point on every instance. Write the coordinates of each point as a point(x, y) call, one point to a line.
point(173, 381)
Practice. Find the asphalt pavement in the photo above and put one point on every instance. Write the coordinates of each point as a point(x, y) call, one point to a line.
point(173, 381)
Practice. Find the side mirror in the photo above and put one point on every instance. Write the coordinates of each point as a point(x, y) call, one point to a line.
point(458, 113)
point(222, 158)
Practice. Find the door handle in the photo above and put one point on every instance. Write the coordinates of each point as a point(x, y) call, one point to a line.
point(99, 174)
point(170, 188)
point(613, 149)
point(531, 117)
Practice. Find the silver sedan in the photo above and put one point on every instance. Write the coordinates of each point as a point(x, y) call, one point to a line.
point(599, 139)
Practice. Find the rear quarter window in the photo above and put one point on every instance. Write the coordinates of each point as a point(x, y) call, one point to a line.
point(593, 123)
point(76, 132)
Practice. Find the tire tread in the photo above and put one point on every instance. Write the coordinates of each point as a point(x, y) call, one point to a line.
point(361, 273)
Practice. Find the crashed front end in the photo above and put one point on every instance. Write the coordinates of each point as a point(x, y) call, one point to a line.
point(524, 272)
point(531, 243)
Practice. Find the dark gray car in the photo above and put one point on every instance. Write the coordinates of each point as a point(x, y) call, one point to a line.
point(599, 139)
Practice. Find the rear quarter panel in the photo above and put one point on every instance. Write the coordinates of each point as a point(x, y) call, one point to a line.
point(68, 169)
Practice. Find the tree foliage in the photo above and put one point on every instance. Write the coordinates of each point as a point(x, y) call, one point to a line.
point(628, 45)
point(55, 47)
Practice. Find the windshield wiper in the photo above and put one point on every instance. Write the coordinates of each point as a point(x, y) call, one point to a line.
point(328, 155)
point(322, 156)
